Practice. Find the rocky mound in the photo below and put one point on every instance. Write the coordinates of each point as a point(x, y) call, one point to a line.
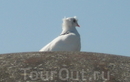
point(64, 67)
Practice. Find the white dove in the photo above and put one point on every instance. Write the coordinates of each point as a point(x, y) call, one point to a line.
point(68, 40)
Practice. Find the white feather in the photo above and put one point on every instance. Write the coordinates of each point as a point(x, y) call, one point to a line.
point(69, 40)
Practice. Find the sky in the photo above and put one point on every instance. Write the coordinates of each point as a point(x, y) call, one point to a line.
point(28, 25)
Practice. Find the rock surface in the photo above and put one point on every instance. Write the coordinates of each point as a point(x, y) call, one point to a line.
point(64, 67)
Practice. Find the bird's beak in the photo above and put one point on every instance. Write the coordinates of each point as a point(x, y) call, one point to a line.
point(78, 25)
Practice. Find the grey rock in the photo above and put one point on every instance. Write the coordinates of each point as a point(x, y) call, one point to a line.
point(64, 67)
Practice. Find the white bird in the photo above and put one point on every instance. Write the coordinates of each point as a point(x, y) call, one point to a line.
point(68, 40)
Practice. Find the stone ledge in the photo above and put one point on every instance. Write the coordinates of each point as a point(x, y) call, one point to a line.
point(64, 67)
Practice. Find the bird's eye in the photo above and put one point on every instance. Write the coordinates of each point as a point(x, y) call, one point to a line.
point(74, 20)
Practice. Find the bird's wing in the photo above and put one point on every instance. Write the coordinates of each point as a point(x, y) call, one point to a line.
point(65, 42)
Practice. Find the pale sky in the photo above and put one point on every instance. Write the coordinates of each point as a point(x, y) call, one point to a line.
point(28, 25)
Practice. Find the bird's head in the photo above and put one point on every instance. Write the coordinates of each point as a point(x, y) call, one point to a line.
point(70, 22)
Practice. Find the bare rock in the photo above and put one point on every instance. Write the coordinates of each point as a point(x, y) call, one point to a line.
point(64, 67)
